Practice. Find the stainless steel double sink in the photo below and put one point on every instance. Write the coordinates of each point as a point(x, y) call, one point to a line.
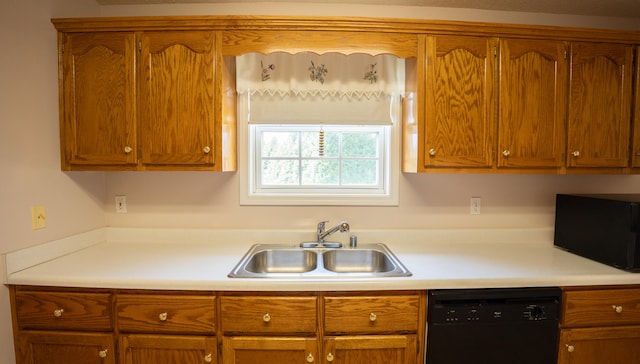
point(290, 261)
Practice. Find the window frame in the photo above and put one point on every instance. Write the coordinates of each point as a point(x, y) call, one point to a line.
point(249, 195)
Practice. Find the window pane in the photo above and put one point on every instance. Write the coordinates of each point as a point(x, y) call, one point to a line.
point(320, 172)
point(280, 172)
point(280, 144)
point(360, 145)
point(310, 144)
point(359, 172)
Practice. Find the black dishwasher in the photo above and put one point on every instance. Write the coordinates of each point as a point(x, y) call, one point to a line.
point(493, 326)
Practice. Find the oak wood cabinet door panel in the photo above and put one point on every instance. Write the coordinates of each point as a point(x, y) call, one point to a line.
point(601, 307)
point(165, 349)
point(533, 93)
point(177, 98)
point(166, 314)
point(387, 349)
point(269, 314)
point(36, 347)
point(600, 345)
point(599, 105)
point(82, 311)
point(635, 153)
point(98, 125)
point(371, 314)
point(269, 350)
point(460, 122)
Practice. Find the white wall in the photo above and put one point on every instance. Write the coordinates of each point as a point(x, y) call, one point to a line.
point(81, 201)
point(29, 144)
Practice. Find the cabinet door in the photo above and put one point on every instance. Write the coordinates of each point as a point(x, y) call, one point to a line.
point(98, 101)
point(177, 94)
point(459, 114)
point(599, 105)
point(269, 350)
point(615, 345)
point(53, 347)
point(533, 93)
point(160, 349)
point(635, 159)
point(388, 349)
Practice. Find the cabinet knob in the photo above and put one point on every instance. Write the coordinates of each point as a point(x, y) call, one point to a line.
point(506, 153)
point(570, 348)
point(208, 358)
point(163, 316)
point(330, 357)
point(432, 152)
point(372, 317)
point(575, 153)
point(128, 149)
point(58, 312)
point(618, 309)
point(206, 150)
point(637, 154)
point(266, 317)
point(310, 358)
point(103, 353)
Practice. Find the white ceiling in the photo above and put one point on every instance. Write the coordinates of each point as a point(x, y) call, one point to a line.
point(607, 8)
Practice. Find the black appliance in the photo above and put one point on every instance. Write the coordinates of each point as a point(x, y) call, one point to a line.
point(603, 228)
point(493, 326)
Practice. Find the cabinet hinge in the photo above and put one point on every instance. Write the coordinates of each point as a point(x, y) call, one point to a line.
point(62, 48)
point(495, 51)
point(140, 46)
point(565, 54)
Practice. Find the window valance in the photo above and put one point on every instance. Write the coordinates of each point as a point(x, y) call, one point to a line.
point(330, 88)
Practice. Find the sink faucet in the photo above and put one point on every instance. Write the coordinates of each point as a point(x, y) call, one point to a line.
point(322, 233)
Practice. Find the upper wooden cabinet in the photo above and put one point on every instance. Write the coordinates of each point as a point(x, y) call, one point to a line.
point(146, 100)
point(459, 121)
point(599, 122)
point(533, 84)
point(98, 100)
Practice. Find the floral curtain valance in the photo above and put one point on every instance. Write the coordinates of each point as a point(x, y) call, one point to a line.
point(327, 75)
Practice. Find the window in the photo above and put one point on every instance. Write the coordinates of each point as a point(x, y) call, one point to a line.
point(311, 148)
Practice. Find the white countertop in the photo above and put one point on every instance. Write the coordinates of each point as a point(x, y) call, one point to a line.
point(201, 260)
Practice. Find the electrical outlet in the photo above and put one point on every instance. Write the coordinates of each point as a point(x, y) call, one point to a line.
point(38, 217)
point(475, 205)
point(121, 204)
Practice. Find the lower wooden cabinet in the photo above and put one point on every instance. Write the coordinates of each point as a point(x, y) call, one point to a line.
point(366, 349)
point(598, 345)
point(600, 325)
point(52, 347)
point(104, 326)
point(166, 349)
point(269, 350)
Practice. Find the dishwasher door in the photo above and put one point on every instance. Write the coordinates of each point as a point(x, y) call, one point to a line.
point(493, 326)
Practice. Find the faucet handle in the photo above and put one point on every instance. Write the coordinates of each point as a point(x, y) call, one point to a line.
point(321, 225)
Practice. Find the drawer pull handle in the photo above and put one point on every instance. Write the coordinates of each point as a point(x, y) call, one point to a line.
point(310, 358)
point(373, 317)
point(58, 312)
point(575, 153)
point(330, 357)
point(208, 358)
point(162, 316)
point(570, 348)
point(618, 309)
point(266, 317)
point(103, 353)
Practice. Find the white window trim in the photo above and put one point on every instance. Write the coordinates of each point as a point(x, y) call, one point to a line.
point(247, 197)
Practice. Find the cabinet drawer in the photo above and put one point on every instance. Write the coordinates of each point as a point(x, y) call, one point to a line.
point(601, 307)
point(371, 314)
point(268, 314)
point(166, 313)
point(63, 310)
